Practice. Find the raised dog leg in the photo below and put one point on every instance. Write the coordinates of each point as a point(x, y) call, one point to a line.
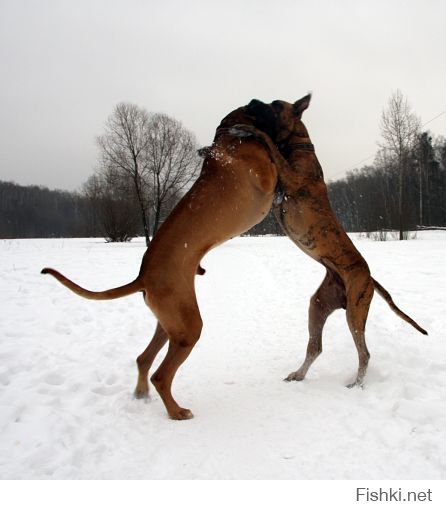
point(359, 296)
point(329, 297)
point(183, 326)
point(144, 361)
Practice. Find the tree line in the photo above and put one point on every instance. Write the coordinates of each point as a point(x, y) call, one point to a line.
point(148, 161)
point(36, 211)
point(405, 187)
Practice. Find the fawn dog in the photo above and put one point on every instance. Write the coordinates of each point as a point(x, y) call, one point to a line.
point(303, 210)
point(234, 191)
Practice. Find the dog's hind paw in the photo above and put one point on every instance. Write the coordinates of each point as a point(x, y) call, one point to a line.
point(181, 414)
point(356, 384)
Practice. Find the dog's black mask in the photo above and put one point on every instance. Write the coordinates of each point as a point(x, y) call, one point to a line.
point(263, 117)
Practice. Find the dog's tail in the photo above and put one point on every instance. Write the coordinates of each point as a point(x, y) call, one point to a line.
point(118, 292)
point(388, 298)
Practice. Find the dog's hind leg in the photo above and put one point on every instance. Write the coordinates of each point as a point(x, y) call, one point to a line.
point(144, 361)
point(183, 326)
point(359, 296)
point(329, 297)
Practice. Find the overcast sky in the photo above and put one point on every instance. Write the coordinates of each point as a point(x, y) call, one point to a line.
point(66, 64)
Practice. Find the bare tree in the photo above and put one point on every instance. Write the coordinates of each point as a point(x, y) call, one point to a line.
point(399, 129)
point(172, 161)
point(124, 150)
point(155, 152)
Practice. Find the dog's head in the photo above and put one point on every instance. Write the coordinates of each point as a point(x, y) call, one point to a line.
point(279, 120)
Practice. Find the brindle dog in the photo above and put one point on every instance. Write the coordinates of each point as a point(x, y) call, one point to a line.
point(234, 191)
point(305, 214)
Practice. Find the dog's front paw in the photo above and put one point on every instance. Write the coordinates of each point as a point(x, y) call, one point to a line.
point(295, 376)
point(141, 393)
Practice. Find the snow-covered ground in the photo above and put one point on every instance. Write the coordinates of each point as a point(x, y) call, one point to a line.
point(68, 371)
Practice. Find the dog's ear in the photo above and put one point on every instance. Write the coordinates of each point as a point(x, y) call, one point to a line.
point(257, 109)
point(255, 103)
point(263, 117)
point(301, 105)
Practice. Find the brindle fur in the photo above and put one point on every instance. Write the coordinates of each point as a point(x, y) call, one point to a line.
point(306, 216)
point(234, 191)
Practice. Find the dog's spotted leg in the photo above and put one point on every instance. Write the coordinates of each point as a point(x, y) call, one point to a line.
point(358, 303)
point(329, 297)
point(144, 361)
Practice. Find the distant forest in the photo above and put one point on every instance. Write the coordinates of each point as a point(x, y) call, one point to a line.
point(365, 200)
point(35, 211)
point(148, 161)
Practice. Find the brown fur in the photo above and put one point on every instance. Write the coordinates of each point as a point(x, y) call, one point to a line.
point(306, 216)
point(234, 191)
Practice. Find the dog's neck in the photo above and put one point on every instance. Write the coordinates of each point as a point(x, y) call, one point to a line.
point(304, 166)
point(294, 144)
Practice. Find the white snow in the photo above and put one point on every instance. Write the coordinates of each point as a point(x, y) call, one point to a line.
point(68, 370)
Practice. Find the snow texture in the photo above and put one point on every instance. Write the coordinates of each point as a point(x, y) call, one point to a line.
point(68, 370)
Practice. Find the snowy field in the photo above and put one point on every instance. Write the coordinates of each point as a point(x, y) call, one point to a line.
point(68, 370)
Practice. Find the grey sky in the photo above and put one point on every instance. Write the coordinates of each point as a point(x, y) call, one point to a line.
point(66, 64)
